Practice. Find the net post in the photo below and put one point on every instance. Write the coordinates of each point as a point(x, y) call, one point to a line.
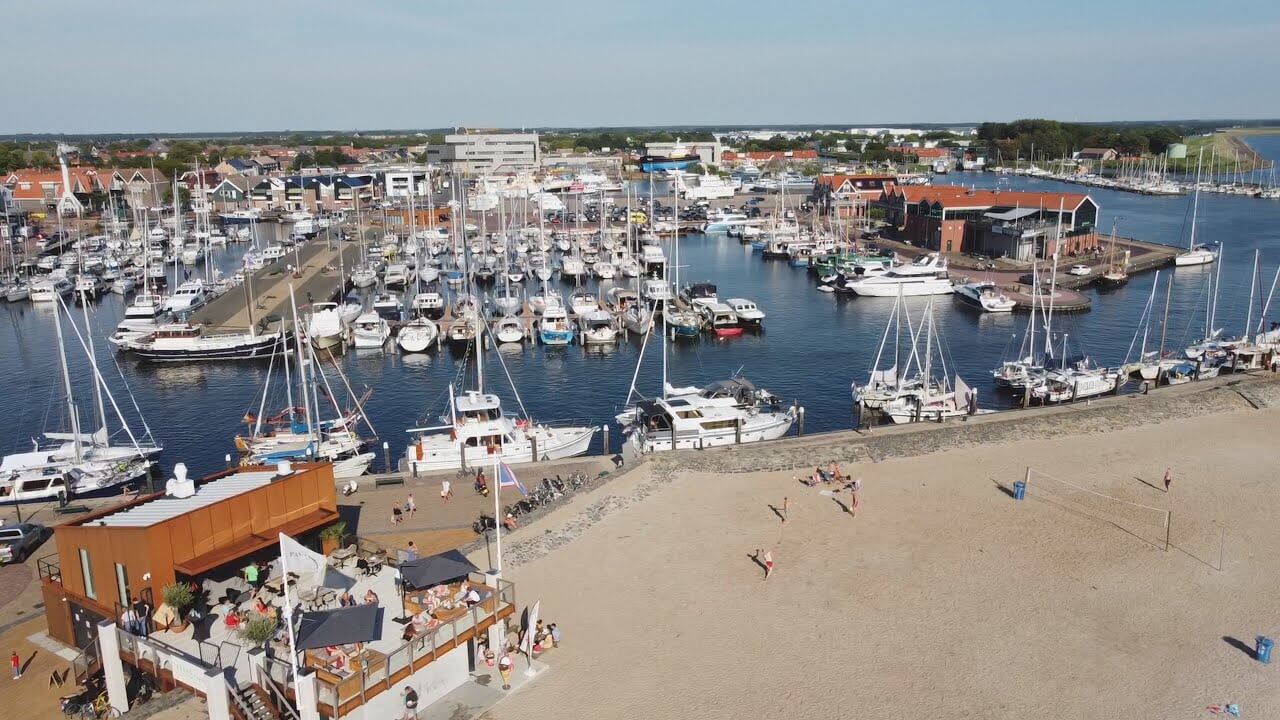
point(1026, 480)
point(1168, 517)
point(1222, 543)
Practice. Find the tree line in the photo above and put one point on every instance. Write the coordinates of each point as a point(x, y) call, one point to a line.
point(1054, 139)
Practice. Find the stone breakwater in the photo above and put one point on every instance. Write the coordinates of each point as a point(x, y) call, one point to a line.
point(1223, 395)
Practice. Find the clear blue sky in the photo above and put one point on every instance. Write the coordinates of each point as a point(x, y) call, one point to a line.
point(201, 65)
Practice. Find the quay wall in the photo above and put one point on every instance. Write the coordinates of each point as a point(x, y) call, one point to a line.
point(1098, 416)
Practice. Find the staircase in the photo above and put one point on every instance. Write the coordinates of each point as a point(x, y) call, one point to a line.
point(250, 703)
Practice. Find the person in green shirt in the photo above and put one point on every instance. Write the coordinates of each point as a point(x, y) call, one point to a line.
point(251, 574)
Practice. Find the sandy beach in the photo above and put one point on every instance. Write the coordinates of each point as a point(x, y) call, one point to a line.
point(943, 598)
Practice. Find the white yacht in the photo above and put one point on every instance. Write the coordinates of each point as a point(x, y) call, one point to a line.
point(1196, 254)
point(479, 434)
point(370, 330)
point(1075, 383)
point(985, 296)
point(325, 327)
point(723, 413)
point(187, 297)
point(141, 318)
point(748, 313)
point(598, 328)
point(397, 275)
point(364, 276)
point(49, 290)
point(925, 276)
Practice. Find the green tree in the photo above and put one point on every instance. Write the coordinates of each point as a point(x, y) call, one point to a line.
point(42, 160)
point(302, 160)
point(232, 152)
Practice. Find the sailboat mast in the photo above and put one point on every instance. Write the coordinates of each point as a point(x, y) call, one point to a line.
point(1253, 280)
point(302, 368)
point(1195, 203)
point(1164, 324)
point(93, 359)
point(66, 384)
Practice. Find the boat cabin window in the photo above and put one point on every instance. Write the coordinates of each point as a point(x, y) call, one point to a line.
point(688, 414)
point(719, 424)
point(485, 441)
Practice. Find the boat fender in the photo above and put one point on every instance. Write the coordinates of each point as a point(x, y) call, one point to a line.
point(418, 447)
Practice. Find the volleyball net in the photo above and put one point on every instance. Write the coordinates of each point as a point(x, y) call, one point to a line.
point(1146, 522)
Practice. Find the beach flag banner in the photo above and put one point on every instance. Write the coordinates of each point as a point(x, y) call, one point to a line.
point(526, 642)
point(508, 479)
point(298, 559)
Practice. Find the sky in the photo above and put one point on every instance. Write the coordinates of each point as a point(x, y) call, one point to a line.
point(77, 66)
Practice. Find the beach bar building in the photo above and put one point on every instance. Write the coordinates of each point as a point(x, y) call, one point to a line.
point(203, 534)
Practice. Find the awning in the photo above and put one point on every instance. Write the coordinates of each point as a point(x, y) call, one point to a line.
point(1014, 214)
point(250, 544)
point(436, 570)
point(343, 626)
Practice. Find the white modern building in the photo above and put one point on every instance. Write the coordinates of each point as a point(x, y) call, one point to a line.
point(483, 154)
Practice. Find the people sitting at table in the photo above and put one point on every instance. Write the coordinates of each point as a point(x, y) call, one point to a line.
point(231, 619)
point(370, 597)
point(472, 597)
point(337, 657)
point(346, 599)
point(262, 608)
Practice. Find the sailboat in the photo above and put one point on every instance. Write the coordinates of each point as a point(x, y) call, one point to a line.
point(288, 436)
point(78, 463)
point(1196, 254)
point(927, 399)
point(1117, 274)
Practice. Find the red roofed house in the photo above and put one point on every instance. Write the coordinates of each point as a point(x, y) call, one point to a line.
point(1018, 225)
point(39, 190)
point(850, 195)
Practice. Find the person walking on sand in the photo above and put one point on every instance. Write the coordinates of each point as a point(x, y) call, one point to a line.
point(766, 560)
point(16, 663)
point(786, 508)
point(854, 501)
point(1168, 478)
point(446, 490)
point(411, 506)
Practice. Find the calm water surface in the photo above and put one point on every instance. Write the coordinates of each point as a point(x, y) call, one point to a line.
point(813, 344)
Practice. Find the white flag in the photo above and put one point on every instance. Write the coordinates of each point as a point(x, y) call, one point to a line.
point(526, 643)
point(308, 565)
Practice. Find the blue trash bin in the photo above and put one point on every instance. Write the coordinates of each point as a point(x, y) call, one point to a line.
point(1019, 490)
point(1262, 649)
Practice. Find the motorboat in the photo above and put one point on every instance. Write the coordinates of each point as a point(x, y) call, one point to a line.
point(463, 331)
point(984, 296)
point(479, 434)
point(418, 334)
point(506, 301)
point(728, 412)
point(88, 287)
point(582, 303)
point(604, 270)
point(554, 327)
point(326, 328)
point(656, 290)
point(598, 328)
point(572, 267)
point(429, 304)
point(721, 319)
point(388, 306)
point(925, 276)
point(397, 276)
point(748, 313)
point(141, 318)
point(370, 330)
point(187, 297)
point(702, 293)
point(49, 290)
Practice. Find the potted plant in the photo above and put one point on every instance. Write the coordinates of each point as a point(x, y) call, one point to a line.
point(331, 537)
point(179, 598)
point(259, 630)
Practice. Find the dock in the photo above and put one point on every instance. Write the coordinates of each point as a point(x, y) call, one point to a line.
point(315, 278)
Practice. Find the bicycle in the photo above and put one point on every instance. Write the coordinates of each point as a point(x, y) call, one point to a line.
point(99, 708)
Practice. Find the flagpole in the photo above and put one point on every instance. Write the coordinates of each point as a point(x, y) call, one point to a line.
point(288, 616)
point(497, 517)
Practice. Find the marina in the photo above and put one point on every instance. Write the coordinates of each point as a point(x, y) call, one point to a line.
point(974, 342)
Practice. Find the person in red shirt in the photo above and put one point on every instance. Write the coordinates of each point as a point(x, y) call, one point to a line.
point(16, 663)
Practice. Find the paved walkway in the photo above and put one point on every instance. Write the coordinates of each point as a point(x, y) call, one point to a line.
point(315, 276)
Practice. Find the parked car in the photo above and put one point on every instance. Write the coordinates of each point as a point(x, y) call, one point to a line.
point(1079, 270)
point(17, 541)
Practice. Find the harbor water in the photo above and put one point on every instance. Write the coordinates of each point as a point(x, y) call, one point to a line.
point(812, 346)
